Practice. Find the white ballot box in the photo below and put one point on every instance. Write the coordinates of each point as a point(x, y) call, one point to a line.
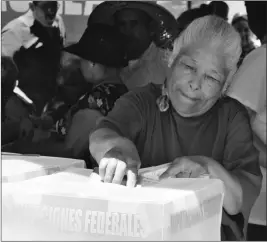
point(75, 205)
point(17, 167)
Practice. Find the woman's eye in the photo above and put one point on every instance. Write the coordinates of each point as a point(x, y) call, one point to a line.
point(210, 78)
point(189, 67)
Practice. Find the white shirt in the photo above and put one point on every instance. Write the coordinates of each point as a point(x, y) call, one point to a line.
point(249, 83)
point(249, 87)
point(17, 33)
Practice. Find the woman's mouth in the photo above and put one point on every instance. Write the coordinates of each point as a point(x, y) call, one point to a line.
point(187, 97)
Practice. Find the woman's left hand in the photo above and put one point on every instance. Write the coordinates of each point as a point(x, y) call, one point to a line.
point(200, 166)
point(188, 167)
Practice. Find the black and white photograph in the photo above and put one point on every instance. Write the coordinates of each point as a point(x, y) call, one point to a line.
point(133, 120)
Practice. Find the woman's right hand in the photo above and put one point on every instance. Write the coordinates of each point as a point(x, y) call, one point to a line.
point(115, 165)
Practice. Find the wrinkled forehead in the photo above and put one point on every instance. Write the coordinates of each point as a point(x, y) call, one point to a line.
point(209, 57)
point(130, 14)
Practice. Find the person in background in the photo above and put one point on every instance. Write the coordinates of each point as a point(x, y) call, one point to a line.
point(188, 122)
point(34, 41)
point(240, 23)
point(249, 83)
point(71, 82)
point(146, 25)
point(220, 9)
point(71, 86)
point(204, 6)
point(190, 15)
point(101, 56)
point(11, 130)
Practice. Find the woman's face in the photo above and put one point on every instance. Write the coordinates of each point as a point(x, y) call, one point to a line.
point(93, 73)
point(196, 81)
point(243, 29)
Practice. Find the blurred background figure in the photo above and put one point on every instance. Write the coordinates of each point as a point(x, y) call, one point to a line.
point(220, 9)
point(148, 28)
point(257, 13)
point(249, 84)
point(240, 23)
point(10, 129)
point(190, 15)
point(34, 41)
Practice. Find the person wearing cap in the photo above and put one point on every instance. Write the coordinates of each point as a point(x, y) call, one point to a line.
point(149, 27)
point(249, 83)
point(240, 23)
point(34, 41)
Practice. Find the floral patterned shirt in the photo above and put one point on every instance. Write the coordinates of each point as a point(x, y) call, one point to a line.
point(102, 98)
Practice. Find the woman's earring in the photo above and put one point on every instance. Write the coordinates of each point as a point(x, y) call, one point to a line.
point(163, 101)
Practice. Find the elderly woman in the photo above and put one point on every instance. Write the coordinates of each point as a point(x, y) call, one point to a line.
point(189, 123)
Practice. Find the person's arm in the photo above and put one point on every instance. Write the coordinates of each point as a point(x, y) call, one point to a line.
point(13, 37)
point(119, 129)
point(241, 173)
point(259, 126)
point(258, 123)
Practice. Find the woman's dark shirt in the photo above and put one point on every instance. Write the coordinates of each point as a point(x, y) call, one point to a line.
point(223, 133)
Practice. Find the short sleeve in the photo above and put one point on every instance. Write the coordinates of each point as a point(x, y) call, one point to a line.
point(13, 36)
point(249, 83)
point(126, 118)
point(242, 159)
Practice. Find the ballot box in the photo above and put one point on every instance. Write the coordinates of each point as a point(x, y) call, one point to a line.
point(16, 167)
point(75, 205)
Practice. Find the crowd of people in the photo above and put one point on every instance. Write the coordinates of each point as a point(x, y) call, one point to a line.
point(140, 89)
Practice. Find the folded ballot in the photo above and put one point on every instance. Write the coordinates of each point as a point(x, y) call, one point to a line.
point(16, 167)
point(76, 205)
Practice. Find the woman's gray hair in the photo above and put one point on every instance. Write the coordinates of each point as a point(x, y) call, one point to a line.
point(215, 31)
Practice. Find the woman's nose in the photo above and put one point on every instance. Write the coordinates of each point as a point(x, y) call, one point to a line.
point(195, 83)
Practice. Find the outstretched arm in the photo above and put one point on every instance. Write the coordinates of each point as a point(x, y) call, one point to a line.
point(112, 143)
